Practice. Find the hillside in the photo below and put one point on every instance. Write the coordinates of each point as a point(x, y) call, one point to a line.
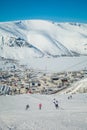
point(78, 87)
point(38, 38)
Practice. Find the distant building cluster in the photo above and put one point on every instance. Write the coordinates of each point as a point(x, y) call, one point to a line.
point(22, 80)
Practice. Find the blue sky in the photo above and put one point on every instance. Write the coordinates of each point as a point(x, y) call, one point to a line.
point(56, 10)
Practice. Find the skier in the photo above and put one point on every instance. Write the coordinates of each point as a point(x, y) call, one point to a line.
point(70, 97)
point(56, 104)
point(27, 107)
point(40, 106)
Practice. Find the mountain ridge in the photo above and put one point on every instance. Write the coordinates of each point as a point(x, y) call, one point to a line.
point(42, 38)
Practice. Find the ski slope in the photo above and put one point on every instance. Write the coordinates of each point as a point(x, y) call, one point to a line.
point(71, 115)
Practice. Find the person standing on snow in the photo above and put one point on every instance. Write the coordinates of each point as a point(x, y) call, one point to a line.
point(55, 103)
point(27, 107)
point(40, 106)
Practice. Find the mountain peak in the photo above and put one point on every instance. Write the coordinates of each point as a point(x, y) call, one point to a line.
point(41, 38)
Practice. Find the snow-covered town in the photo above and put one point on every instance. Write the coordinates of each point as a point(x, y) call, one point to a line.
point(18, 79)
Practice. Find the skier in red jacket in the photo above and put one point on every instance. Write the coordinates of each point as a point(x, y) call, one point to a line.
point(40, 106)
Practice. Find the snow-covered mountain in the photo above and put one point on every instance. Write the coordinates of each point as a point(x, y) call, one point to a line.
point(37, 38)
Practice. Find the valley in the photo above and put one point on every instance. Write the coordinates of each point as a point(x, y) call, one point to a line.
point(16, 78)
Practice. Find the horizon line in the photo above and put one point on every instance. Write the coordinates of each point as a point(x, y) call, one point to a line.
point(44, 19)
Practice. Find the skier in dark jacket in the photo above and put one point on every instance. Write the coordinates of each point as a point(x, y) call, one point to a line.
point(56, 104)
point(27, 107)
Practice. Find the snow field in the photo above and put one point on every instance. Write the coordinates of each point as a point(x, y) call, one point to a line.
point(71, 115)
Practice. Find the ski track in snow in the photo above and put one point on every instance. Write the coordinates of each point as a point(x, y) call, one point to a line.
point(71, 115)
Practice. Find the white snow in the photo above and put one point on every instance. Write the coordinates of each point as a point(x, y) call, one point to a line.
point(78, 87)
point(45, 38)
point(54, 65)
point(49, 38)
point(71, 115)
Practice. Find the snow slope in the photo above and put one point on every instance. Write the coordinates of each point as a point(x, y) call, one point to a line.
point(78, 87)
point(71, 115)
point(38, 38)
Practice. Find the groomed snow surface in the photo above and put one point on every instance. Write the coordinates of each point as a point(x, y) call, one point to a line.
point(71, 114)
